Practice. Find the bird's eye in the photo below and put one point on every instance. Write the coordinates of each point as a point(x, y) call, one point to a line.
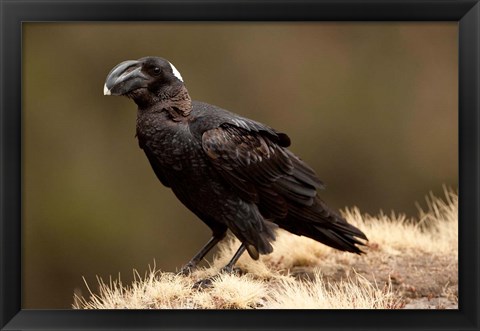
point(156, 70)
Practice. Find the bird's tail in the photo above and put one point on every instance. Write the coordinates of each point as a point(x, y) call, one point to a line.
point(324, 225)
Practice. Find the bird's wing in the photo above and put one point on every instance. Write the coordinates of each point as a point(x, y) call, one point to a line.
point(254, 162)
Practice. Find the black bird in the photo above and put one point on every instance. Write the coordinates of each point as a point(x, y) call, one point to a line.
point(232, 172)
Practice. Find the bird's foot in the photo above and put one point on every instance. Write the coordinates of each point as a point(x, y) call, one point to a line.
point(232, 270)
point(204, 283)
point(208, 282)
point(187, 269)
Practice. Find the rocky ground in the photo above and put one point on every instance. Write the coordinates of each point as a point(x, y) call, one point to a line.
point(423, 281)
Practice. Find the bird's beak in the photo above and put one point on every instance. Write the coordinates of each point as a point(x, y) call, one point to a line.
point(124, 78)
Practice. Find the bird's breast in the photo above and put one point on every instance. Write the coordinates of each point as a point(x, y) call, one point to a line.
point(172, 143)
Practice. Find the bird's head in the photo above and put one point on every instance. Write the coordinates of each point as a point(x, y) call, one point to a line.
point(145, 80)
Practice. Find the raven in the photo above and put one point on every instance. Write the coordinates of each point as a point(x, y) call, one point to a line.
point(230, 171)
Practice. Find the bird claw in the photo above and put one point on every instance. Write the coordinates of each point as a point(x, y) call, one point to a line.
point(232, 270)
point(208, 282)
point(203, 284)
point(187, 269)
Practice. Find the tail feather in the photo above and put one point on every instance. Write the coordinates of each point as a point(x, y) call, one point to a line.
point(324, 225)
point(334, 239)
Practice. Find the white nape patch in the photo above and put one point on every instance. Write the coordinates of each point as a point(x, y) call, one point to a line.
point(176, 73)
point(106, 91)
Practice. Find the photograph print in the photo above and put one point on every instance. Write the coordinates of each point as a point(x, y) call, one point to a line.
point(247, 165)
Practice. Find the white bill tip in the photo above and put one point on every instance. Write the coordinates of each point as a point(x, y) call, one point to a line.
point(106, 91)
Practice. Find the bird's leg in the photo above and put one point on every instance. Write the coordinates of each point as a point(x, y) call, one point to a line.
point(208, 282)
point(229, 267)
point(192, 264)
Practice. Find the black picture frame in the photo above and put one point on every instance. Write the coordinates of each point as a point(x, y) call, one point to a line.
point(14, 12)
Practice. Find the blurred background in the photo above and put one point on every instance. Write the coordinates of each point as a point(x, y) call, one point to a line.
point(372, 107)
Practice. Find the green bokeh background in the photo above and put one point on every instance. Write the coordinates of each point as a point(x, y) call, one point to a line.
point(372, 107)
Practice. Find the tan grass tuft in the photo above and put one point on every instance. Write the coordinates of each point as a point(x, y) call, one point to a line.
point(436, 230)
point(357, 293)
point(406, 259)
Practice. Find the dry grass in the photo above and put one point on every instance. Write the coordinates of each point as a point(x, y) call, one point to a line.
point(407, 261)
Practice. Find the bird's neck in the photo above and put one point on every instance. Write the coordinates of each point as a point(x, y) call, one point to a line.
point(175, 101)
point(180, 104)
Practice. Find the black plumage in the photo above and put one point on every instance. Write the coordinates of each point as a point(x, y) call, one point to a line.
point(232, 172)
